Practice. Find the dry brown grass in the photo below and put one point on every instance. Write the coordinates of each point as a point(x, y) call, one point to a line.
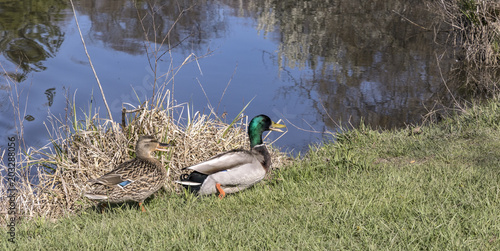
point(474, 30)
point(94, 146)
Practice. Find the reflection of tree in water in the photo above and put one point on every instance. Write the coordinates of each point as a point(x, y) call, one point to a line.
point(50, 93)
point(30, 32)
point(117, 23)
point(368, 60)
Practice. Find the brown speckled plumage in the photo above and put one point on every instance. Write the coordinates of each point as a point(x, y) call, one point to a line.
point(134, 180)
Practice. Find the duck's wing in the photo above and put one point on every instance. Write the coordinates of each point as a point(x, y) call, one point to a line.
point(225, 161)
point(121, 175)
point(241, 176)
point(110, 179)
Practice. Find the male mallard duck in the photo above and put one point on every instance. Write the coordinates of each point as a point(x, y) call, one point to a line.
point(134, 180)
point(235, 170)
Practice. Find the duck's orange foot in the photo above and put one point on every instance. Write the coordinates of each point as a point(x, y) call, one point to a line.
point(142, 207)
point(222, 194)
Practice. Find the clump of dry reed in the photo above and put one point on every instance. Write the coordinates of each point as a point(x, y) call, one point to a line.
point(87, 149)
point(474, 28)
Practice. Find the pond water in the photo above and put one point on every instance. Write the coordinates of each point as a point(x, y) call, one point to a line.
point(315, 64)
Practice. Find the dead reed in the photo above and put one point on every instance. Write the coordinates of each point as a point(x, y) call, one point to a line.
point(474, 30)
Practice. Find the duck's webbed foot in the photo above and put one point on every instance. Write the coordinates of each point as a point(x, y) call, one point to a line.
point(142, 207)
point(222, 194)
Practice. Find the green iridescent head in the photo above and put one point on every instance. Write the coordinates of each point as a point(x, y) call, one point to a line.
point(260, 124)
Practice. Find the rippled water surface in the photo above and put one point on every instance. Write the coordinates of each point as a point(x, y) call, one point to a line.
point(315, 64)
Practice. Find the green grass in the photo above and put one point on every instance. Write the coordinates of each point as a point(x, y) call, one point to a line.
point(371, 190)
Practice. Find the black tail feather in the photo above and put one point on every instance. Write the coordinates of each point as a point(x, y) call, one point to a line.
point(193, 177)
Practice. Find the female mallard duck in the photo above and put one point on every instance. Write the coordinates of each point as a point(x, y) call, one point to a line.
point(134, 180)
point(235, 170)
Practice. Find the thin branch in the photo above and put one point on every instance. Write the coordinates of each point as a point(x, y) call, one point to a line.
point(225, 89)
point(90, 61)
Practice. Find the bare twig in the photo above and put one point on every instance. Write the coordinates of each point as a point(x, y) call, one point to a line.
point(125, 111)
point(405, 18)
point(225, 89)
point(90, 61)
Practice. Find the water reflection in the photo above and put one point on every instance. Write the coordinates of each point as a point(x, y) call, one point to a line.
point(370, 59)
point(51, 92)
point(331, 61)
point(29, 118)
point(30, 32)
point(129, 26)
